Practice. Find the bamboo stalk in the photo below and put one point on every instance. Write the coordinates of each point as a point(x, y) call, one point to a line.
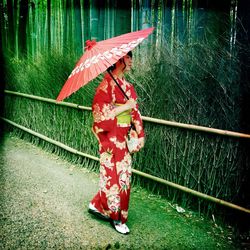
point(151, 177)
point(145, 118)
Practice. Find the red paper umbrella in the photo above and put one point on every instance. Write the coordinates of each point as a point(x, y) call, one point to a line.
point(98, 57)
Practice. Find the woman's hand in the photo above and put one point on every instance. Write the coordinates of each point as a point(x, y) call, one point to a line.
point(140, 145)
point(131, 103)
point(141, 142)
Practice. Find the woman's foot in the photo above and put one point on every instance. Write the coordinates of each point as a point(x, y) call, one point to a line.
point(119, 227)
point(94, 211)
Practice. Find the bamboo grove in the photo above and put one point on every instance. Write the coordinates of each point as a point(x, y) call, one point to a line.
point(188, 71)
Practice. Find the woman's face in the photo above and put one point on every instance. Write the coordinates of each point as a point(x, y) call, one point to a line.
point(128, 61)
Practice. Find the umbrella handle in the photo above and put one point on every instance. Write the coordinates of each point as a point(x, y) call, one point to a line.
point(132, 125)
point(117, 84)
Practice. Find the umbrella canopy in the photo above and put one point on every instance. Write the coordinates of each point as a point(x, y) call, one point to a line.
point(98, 57)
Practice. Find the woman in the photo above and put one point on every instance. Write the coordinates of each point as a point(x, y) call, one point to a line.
point(113, 115)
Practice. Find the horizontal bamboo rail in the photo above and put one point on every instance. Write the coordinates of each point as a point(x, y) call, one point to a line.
point(148, 176)
point(191, 191)
point(43, 99)
point(197, 128)
point(59, 144)
point(145, 118)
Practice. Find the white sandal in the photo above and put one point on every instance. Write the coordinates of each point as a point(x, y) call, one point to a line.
point(126, 227)
point(119, 227)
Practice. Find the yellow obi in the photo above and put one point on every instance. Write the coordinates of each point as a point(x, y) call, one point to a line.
point(123, 118)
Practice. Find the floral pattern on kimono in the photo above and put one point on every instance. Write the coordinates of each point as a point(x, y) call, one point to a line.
point(112, 198)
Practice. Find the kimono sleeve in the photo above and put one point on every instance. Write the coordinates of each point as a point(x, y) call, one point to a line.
point(136, 116)
point(101, 108)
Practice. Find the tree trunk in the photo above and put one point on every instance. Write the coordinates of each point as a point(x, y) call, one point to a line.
point(122, 17)
point(243, 35)
point(2, 25)
point(86, 20)
point(33, 28)
point(101, 29)
point(135, 11)
point(146, 14)
point(78, 29)
point(15, 9)
point(2, 72)
point(94, 21)
point(22, 37)
point(49, 24)
point(11, 36)
point(66, 24)
point(213, 4)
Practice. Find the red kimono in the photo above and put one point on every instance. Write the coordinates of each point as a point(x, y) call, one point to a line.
point(112, 198)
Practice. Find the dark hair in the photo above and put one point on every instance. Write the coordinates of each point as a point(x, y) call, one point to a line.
point(130, 54)
point(111, 68)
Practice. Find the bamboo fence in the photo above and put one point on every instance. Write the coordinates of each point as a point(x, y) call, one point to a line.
point(145, 175)
point(145, 118)
point(148, 119)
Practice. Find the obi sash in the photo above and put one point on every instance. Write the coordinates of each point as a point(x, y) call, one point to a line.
point(123, 118)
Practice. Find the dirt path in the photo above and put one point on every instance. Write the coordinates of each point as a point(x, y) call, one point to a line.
point(44, 206)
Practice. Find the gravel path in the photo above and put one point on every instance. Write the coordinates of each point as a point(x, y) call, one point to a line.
point(44, 204)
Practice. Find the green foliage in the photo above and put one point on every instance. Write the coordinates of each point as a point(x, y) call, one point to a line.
point(193, 83)
point(42, 75)
point(45, 74)
point(187, 83)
